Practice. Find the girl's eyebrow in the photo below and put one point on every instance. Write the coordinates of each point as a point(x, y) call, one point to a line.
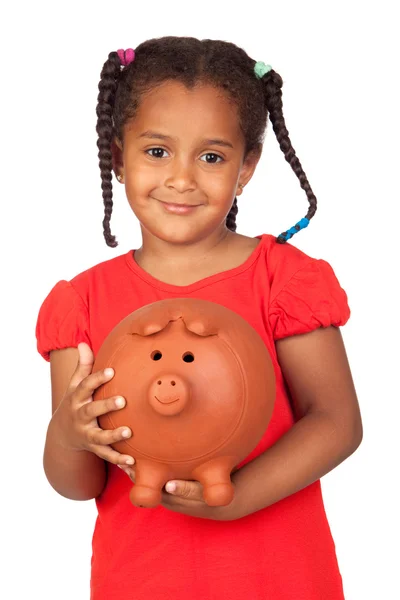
point(161, 136)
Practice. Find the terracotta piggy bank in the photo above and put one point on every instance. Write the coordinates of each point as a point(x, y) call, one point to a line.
point(199, 387)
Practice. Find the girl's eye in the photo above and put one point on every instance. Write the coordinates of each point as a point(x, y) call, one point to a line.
point(157, 152)
point(213, 156)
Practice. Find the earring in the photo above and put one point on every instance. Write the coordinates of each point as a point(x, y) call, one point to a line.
point(241, 187)
point(120, 178)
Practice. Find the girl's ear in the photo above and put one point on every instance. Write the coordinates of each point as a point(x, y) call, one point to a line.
point(117, 157)
point(249, 165)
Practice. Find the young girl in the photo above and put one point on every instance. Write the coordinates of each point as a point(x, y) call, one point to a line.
point(181, 124)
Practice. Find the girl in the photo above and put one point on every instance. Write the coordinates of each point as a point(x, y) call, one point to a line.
point(181, 124)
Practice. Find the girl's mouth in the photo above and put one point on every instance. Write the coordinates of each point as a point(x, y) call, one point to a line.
point(178, 209)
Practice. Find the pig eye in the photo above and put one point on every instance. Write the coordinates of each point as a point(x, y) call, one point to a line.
point(156, 355)
point(188, 357)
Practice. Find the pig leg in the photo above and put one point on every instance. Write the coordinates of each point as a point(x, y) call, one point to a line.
point(214, 476)
point(150, 479)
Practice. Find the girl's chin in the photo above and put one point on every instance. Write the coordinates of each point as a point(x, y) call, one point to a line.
point(179, 233)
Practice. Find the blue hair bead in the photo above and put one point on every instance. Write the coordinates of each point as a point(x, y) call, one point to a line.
point(302, 224)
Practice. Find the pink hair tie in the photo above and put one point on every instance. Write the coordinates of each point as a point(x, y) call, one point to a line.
point(126, 56)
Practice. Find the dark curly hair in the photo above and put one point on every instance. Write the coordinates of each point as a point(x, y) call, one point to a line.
point(191, 61)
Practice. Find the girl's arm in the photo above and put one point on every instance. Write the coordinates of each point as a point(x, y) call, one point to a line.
point(328, 430)
point(75, 475)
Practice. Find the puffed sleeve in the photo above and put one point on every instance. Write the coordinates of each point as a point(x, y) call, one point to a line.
point(63, 320)
point(311, 298)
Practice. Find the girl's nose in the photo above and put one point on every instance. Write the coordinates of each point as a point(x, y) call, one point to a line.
point(181, 177)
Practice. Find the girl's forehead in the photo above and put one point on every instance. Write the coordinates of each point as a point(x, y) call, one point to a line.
point(172, 105)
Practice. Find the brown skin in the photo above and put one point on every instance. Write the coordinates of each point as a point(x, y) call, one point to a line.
point(181, 249)
point(76, 447)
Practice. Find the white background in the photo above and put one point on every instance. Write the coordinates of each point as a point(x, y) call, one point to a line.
point(339, 63)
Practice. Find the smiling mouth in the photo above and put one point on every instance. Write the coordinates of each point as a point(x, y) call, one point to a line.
point(177, 204)
point(170, 402)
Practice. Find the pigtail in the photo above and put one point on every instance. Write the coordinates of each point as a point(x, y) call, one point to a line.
point(272, 84)
point(231, 218)
point(105, 130)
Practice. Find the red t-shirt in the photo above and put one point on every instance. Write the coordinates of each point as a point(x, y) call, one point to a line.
point(283, 552)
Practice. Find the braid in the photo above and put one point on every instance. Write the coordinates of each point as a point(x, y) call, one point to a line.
point(272, 83)
point(105, 130)
point(231, 218)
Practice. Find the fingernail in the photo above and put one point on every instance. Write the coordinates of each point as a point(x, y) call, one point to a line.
point(108, 372)
point(130, 461)
point(126, 433)
point(170, 486)
point(120, 402)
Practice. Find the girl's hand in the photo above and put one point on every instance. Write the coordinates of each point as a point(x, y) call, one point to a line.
point(180, 492)
point(185, 497)
point(76, 416)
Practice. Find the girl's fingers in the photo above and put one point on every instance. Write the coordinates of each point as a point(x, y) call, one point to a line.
point(105, 437)
point(92, 410)
point(84, 366)
point(87, 386)
point(113, 456)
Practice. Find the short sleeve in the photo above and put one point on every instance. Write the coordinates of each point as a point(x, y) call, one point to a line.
point(63, 320)
point(312, 298)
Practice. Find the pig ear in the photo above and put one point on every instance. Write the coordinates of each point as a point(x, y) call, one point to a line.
point(198, 318)
point(201, 321)
point(201, 327)
point(152, 318)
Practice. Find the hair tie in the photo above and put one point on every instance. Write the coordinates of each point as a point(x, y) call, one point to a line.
point(260, 69)
point(126, 56)
point(295, 229)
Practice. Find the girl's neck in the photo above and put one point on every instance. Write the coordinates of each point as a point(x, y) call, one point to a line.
point(178, 254)
point(184, 264)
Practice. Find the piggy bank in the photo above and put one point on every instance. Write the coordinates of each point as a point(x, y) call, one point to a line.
point(199, 387)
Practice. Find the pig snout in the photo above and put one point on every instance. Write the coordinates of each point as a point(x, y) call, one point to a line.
point(169, 394)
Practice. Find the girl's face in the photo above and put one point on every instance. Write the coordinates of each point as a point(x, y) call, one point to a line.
point(182, 161)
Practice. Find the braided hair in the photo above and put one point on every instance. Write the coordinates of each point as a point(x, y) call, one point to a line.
point(191, 61)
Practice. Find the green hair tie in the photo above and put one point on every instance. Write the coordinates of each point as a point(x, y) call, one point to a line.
point(260, 69)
